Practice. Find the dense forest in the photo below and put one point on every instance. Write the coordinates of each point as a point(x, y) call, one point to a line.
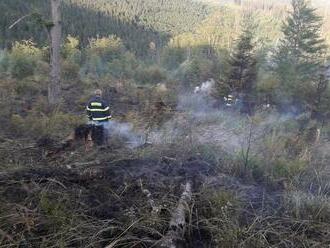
point(136, 22)
point(219, 135)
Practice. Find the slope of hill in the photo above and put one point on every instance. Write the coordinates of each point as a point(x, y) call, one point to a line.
point(136, 22)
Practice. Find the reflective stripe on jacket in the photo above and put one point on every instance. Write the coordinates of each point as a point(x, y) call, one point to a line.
point(98, 109)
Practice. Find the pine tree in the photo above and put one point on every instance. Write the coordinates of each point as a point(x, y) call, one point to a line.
point(243, 68)
point(300, 53)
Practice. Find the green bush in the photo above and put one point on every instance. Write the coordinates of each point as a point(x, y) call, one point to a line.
point(70, 70)
point(23, 58)
point(94, 67)
point(101, 52)
point(37, 124)
point(124, 66)
point(70, 50)
point(172, 57)
point(107, 48)
point(150, 75)
point(28, 88)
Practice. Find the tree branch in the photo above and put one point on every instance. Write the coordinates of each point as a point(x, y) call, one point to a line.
point(19, 20)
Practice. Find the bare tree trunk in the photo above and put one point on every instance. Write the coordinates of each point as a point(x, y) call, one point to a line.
point(55, 35)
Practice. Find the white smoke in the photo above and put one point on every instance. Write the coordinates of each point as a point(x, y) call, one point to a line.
point(199, 116)
point(125, 132)
point(196, 104)
point(201, 119)
point(199, 102)
point(206, 88)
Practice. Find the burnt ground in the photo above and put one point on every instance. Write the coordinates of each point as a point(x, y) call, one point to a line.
point(71, 199)
point(98, 199)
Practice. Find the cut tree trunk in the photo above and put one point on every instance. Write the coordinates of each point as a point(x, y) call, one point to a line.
point(178, 220)
point(55, 36)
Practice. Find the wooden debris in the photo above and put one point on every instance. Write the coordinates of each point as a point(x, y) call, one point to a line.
point(178, 220)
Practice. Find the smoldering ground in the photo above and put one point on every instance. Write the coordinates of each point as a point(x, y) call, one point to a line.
point(124, 132)
point(200, 119)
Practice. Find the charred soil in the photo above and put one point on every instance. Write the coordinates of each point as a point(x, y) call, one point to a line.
point(127, 198)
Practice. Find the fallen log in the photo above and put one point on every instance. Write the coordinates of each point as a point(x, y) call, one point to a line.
point(177, 226)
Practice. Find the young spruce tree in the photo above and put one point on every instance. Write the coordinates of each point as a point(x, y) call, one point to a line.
point(243, 71)
point(300, 55)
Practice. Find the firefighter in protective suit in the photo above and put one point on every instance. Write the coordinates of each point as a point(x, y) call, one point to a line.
point(98, 112)
point(229, 101)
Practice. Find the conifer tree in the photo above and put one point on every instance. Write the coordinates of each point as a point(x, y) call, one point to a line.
point(243, 68)
point(300, 54)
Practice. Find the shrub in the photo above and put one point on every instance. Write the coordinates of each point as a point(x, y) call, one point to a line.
point(99, 53)
point(57, 124)
point(28, 88)
point(266, 85)
point(23, 59)
point(124, 66)
point(70, 50)
point(172, 57)
point(70, 70)
point(150, 75)
point(94, 66)
point(107, 48)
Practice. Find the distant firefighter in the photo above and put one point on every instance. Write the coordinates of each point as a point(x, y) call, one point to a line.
point(98, 112)
point(229, 100)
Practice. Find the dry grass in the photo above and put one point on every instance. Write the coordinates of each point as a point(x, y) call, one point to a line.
point(277, 199)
